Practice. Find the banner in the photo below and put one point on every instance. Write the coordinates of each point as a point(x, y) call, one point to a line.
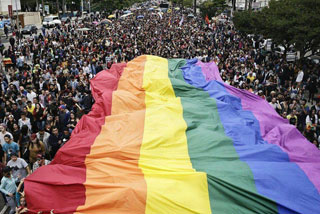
point(168, 136)
point(10, 10)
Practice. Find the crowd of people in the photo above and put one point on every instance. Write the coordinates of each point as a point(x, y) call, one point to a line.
point(45, 79)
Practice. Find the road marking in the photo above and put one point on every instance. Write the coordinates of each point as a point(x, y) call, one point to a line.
point(4, 209)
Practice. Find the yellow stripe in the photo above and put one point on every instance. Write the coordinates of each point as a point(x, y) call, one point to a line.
point(173, 186)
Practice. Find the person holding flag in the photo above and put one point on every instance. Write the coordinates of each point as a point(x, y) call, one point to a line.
point(207, 19)
point(181, 21)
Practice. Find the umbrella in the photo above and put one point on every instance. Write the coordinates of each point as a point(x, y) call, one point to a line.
point(191, 15)
point(112, 16)
point(83, 29)
point(127, 11)
point(95, 22)
point(150, 9)
point(177, 8)
point(125, 15)
point(140, 17)
point(106, 21)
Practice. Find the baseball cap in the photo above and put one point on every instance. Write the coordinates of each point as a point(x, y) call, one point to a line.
point(40, 156)
point(33, 136)
point(62, 107)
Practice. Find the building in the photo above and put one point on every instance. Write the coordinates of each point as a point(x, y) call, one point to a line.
point(4, 6)
point(256, 4)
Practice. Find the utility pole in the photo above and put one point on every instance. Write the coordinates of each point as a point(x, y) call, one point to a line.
point(63, 6)
point(195, 7)
point(37, 5)
point(18, 26)
point(233, 7)
point(42, 3)
point(89, 4)
point(57, 3)
point(81, 8)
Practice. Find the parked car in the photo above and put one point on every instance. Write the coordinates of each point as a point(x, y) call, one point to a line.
point(51, 21)
point(29, 29)
point(65, 19)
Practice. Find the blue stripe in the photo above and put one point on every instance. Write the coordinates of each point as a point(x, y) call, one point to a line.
point(275, 176)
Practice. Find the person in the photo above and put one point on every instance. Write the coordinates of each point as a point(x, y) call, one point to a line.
point(4, 132)
point(2, 166)
point(64, 116)
point(8, 187)
point(20, 192)
point(43, 136)
point(10, 148)
point(12, 42)
point(41, 161)
point(24, 120)
point(6, 30)
point(23, 206)
point(312, 119)
point(30, 95)
point(24, 140)
point(292, 117)
point(2, 47)
point(20, 168)
point(276, 105)
point(299, 78)
point(35, 147)
point(55, 140)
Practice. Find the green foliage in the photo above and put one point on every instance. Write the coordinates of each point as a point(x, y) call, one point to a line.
point(111, 5)
point(247, 22)
point(182, 3)
point(286, 22)
point(212, 7)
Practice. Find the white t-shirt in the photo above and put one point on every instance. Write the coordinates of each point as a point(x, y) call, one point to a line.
point(300, 76)
point(31, 95)
point(19, 168)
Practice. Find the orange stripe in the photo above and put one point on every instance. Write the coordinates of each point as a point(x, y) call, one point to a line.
point(114, 183)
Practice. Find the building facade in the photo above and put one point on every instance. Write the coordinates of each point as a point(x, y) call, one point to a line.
point(5, 3)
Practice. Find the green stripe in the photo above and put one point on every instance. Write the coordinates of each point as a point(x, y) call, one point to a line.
point(230, 181)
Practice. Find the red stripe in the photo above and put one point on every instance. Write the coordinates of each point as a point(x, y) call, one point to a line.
point(60, 184)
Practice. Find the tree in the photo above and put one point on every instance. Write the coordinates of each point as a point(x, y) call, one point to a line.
point(247, 22)
point(111, 5)
point(182, 3)
point(287, 22)
point(212, 7)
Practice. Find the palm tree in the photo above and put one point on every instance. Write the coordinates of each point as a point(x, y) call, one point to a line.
point(42, 3)
point(57, 3)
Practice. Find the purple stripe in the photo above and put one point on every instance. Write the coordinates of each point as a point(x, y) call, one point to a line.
point(210, 70)
point(274, 129)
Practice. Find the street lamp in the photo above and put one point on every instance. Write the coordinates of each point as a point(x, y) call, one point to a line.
point(17, 22)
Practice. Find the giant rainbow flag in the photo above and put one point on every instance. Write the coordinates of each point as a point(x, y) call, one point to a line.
point(167, 136)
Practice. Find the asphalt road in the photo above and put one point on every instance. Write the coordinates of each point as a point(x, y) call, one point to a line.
point(3, 210)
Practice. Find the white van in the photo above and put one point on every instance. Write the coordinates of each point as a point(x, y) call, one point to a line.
point(51, 21)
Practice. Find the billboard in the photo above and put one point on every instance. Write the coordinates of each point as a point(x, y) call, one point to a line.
point(5, 3)
point(10, 10)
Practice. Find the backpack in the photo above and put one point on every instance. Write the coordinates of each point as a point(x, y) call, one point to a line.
point(26, 153)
